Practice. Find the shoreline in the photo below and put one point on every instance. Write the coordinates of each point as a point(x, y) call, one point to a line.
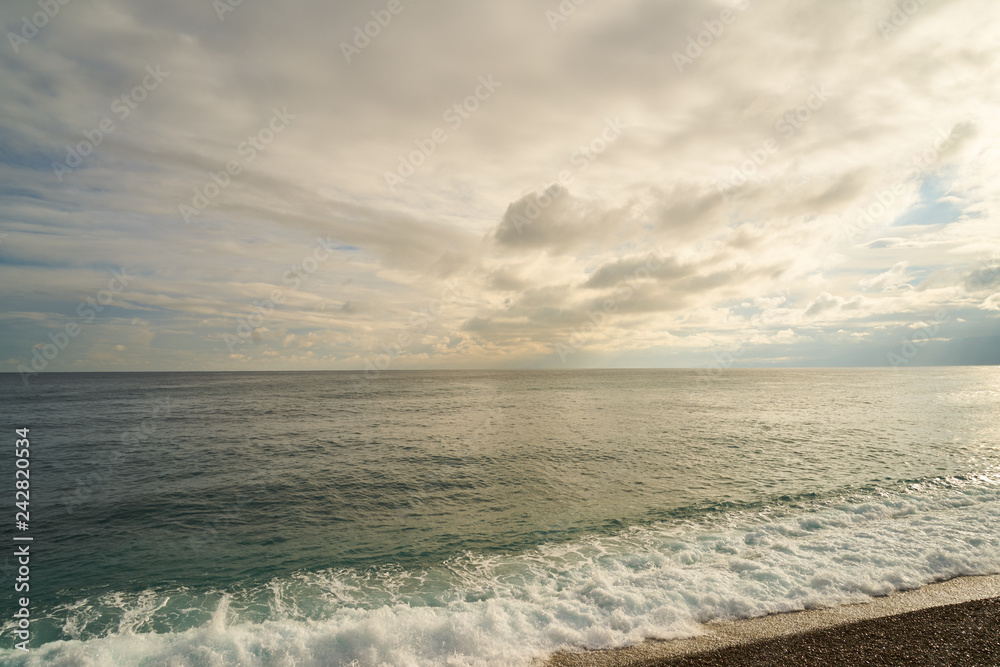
point(918, 612)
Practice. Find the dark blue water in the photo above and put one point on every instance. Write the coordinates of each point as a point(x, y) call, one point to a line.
point(483, 517)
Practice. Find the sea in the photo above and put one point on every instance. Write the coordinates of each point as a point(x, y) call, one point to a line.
point(479, 518)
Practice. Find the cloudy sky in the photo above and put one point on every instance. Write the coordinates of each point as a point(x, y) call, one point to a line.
point(446, 184)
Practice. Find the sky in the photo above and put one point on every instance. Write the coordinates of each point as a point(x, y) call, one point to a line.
point(401, 184)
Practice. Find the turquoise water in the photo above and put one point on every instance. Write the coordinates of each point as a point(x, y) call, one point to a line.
point(484, 517)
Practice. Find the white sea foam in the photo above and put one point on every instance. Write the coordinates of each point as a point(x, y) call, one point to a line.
point(650, 582)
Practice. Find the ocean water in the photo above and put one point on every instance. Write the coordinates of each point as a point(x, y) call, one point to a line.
point(482, 518)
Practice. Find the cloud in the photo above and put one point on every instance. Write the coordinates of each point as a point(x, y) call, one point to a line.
point(893, 279)
point(992, 302)
point(825, 302)
point(638, 267)
point(538, 218)
point(555, 221)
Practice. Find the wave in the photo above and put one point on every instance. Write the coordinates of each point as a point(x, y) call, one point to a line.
point(651, 582)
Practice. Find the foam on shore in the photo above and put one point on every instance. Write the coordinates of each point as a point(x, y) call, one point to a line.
point(662, 581)
point(720, 635)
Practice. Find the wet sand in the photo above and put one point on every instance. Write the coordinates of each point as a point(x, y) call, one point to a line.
point(951, 623)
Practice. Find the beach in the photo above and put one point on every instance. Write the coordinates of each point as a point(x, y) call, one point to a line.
point(949, 623)
point(502, 334)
